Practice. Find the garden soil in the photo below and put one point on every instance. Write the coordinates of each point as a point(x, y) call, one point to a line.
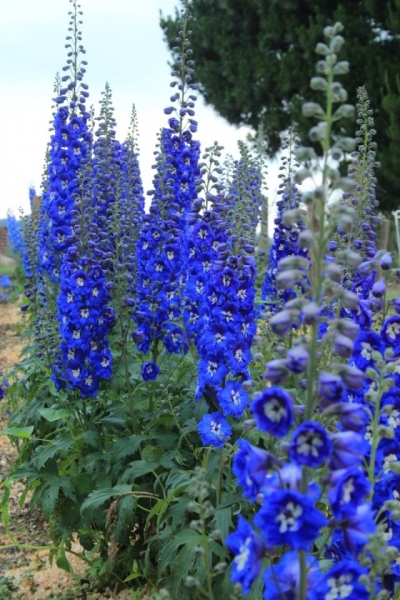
point(27, 574)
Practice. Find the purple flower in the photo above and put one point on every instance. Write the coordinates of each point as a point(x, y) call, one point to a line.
point(248, 548)
point(298, 358)
point(310, 444)
point(150, 371)
point(330, 386)
point(341, 581)
point(214, 429)
point(273, 411)
point(276, 371)
point(289, 518)
point(282, 322)
point(250, 465)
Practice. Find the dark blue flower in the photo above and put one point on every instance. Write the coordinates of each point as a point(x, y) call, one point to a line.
point(282, 580)
point(273, 411)
point(248, 548)
point(233, 399)
point(349, 448)
point(341, 581)
point(250, 465)
point(391, 331)
point(150, 371)
point(214, 429)
point(289, 518)
point(357, 527)
point(347, 490)
point(310, 444)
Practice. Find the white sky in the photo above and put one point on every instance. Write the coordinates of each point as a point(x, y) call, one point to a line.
point(124, 46)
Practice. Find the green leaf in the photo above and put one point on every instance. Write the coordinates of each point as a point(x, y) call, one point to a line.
point(99, 497)
point(62, 562)
point(125, 447)
point(53, 414)
point(21, 432)
point(59, 445)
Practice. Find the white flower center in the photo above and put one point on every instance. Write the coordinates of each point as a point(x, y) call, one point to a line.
point(274, 410)
point(288, 518)
point(339, 587)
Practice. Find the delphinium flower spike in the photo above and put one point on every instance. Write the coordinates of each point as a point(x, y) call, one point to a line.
point(68, 149)
point(333, 386)
point(286, 239)
point(160, 249)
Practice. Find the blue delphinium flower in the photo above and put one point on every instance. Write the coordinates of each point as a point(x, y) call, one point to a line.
point(289, 518)
point(250, 466)
point(150, 371)
point(341, 581)
point(282, 579)
point(214, 429)
point(310, 444)
point(347, 489)
point(273, 411)
point(249, 549)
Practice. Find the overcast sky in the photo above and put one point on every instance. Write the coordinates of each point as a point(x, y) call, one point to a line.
point(124, 46)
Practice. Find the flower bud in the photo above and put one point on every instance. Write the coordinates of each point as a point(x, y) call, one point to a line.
point(341, 68)
point(342, 346)
point(379, 288)
point(303, 153)
point(312, 109)
point(319, 84)
point(386, 261)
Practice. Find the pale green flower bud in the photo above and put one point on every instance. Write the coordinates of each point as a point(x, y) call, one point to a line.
point(322, 67)
point(322, 49)
point(301, 175)
point(341, 68)
point(331, 60)
point(312, 109)
point(345, 111)
point(319, 84)
point(347, 144)
point(338, 28)
point(336, 153)
point(347, 184)
point(303, 153)
point(336, 43)
point(329, 31)
point(317, 133)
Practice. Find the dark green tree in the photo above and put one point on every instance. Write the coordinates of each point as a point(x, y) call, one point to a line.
point(254, 60)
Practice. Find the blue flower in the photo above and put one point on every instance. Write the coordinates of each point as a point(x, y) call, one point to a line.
point(273, 411)
point(214, 429)
point(248, 548)
point(233, 399)
point(347, 490)
point(310, 444)
point(391, 331)
point(150, 371)
point(357, 527)
point(289, 518)
point(341, 581)
point(349, 448)
point(251, 465)
point(282, 580)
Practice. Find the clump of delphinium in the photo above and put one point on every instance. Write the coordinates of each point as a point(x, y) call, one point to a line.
point(161, 245)
point(15, 235)
point(224, 344)
point(328, 495)
point(287, 240)
point(6, 286)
